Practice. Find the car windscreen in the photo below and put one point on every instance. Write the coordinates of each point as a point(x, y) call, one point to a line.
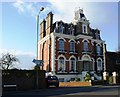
point(52, 78)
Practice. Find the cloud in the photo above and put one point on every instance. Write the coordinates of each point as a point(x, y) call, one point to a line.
point(25, 7)
point(25, 58)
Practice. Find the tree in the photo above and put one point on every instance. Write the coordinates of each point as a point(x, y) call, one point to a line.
point(7, 61)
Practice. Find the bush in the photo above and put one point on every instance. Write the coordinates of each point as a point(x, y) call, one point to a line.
point(77, 79)
point(72, 79)
point(87, 77)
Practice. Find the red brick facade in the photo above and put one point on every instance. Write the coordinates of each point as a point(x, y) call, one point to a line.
point(59, 38)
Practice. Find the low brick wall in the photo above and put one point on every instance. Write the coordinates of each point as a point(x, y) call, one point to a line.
point(74, 84)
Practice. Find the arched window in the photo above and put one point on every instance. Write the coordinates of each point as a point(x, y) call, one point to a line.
point(61, 45)
point(61, 64)
point(72, 66)
point(98, 49)
point(72, 46)
point(85, 46)
point(99, 64)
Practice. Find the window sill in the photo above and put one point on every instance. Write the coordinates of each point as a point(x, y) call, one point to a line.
point(73, 53)
point(61, 72)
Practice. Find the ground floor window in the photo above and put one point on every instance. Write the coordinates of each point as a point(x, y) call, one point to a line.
point(99, 64)
point(61, 65)
point(72, 65)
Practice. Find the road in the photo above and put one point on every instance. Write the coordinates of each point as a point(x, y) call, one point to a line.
point(94, 91)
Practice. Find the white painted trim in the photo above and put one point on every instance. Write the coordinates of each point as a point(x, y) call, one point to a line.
point(85, 40)
point(64, 68)
point(83, 28)
point(62, 39)
point(101, 62)
point(93, 64)
point(44, 39)
point(53, 53)
point(64, 36)
point(70, 61)
point(72, 40)
point(78, 42)
point(97, 41)
point(72, 57)
point(83, 36)
point(104, 56)
point(61, 56)
point(98, 44)
point(85, 56)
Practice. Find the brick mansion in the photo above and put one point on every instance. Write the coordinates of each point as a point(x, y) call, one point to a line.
point(70, 50)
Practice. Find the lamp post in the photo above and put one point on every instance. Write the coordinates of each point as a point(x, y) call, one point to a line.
point(37, 65)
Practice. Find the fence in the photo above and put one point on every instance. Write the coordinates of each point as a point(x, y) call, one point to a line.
point(22, 79)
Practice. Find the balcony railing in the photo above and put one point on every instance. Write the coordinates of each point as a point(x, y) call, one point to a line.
point(62, 51)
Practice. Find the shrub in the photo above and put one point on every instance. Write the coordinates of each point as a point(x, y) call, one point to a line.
point(72, 79)
point(87, 77)
point(77, 79)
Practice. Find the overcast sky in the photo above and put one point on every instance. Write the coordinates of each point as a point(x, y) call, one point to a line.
point(19, 24)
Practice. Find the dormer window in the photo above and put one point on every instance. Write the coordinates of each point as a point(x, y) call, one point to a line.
point(71, 31)
point(97, 35)
point(60, 28)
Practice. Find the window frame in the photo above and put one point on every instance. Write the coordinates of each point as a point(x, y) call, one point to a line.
point(61, 45)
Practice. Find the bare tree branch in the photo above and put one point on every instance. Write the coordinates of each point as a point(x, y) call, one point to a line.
point(7, 61)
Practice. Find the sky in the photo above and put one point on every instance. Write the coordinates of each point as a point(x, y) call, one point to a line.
point(18, 26)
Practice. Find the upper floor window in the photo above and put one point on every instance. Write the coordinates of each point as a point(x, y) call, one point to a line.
point(61, 44)
point(60, 28)
point(72, 46)
point(98, 49)
point(84, 27)
point(85, 45)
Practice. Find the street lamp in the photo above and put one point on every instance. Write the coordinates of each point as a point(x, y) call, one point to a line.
point(37, 65)
point(42, 8)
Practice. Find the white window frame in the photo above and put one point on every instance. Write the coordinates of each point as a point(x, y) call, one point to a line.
point(74, 64)
point(72, 57)
point(72, 46)
point(61, 44)
point(99, 65)
point(61, 60)
point(85, 46)
point(98, 49)
point(84, 28)
point(93, 64)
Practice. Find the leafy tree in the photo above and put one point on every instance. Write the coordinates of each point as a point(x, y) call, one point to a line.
point(7, 61)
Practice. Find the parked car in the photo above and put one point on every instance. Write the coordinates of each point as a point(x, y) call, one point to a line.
point(52, 81)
